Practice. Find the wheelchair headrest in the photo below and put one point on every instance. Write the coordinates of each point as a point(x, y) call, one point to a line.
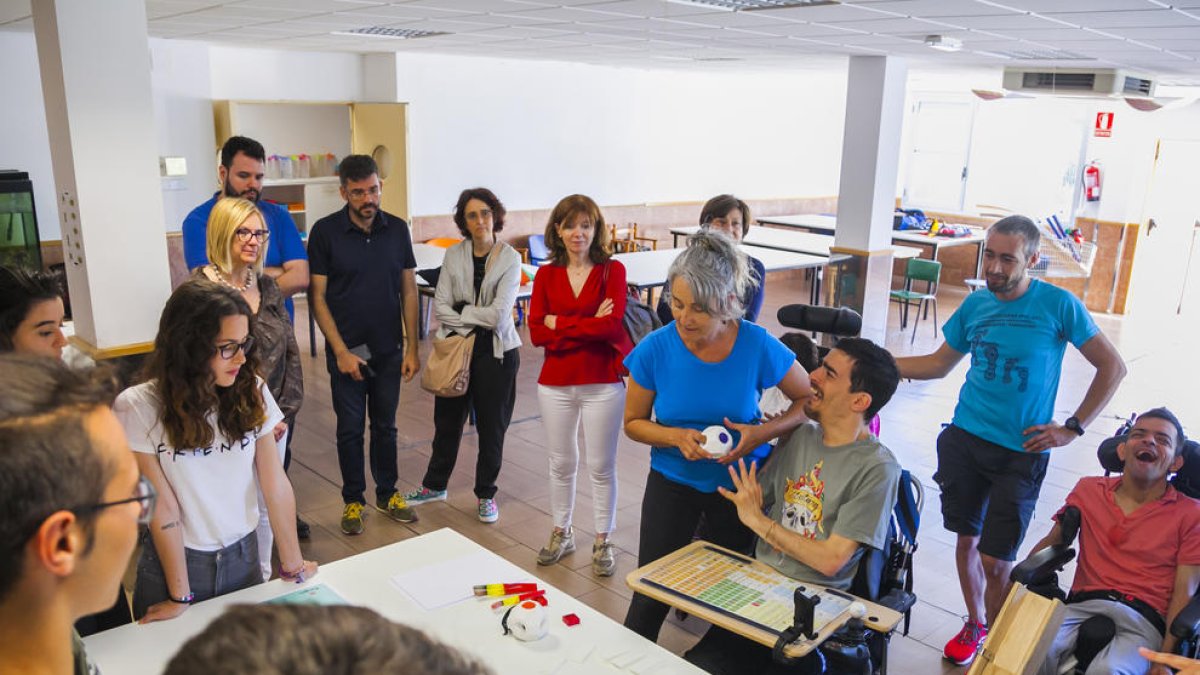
point(1187, 480)
point(841, 321)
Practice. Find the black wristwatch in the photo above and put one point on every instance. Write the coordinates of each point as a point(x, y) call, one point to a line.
point(1072, 423)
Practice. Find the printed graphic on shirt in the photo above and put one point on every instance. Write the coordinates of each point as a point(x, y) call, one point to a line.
point(247, 442)
point(802, 503)
point(989, 352)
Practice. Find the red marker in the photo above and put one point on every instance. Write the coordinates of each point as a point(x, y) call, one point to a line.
point(504, 589)
point(537, 596)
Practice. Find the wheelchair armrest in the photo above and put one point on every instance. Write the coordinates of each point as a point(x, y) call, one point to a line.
point(898, 600)
point(1187, 623)
point(1042, 565)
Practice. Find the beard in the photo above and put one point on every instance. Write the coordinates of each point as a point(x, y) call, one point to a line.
point(366, 212)
point(251, 194)
point(1008, 285)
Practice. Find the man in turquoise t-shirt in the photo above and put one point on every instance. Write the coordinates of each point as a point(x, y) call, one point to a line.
point(992, 459)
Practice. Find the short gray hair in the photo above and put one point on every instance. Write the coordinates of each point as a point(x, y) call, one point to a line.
point(1022, 227)
point(717, 272)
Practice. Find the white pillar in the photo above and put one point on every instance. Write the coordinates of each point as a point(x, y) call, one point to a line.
point(867, 193)
point(95, 65)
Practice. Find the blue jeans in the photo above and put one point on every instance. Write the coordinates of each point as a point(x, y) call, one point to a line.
point(210, 573)
point(378, 397)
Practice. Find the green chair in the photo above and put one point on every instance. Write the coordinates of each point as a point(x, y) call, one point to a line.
point(919, 269)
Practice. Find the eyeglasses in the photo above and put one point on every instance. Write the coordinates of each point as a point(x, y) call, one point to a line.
point(480, 215)
point(230, 350)
point(144, 494)
point(244, 235)
point(359, 193)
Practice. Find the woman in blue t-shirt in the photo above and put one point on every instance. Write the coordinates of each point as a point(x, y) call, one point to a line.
point(707, 368)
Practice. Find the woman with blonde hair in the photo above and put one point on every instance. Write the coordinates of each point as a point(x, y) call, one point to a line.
point(575, 314)
point(237, 244)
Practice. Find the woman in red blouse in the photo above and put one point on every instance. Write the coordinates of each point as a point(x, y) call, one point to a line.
point(575, 314)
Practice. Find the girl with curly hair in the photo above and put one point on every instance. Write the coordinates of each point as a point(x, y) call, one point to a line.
point(201, 425)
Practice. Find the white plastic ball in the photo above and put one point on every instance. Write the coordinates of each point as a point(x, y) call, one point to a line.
point(718, 441)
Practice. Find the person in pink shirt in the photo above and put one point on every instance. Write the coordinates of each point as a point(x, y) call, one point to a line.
point(1139, 551)
point(575, 314)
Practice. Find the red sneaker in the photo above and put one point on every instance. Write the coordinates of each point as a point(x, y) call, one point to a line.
point(961, 649)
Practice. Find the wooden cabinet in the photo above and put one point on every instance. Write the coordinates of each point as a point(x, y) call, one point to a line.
point(307, 199)
point(287, 128)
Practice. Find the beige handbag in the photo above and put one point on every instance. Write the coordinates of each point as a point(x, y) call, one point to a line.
point(448, 372)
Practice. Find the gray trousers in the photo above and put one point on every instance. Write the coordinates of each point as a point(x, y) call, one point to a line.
point(1120, 657)
point(210, 573)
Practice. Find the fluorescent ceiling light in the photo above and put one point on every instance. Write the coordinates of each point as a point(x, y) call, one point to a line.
point(753, 5)
point(943, 43)
point(389, 33)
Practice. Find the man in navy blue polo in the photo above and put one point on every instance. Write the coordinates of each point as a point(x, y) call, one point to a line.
point(364, 298)
point(241, 175)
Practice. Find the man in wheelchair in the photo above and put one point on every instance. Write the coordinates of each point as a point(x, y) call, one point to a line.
point(824, 496)
point(1139, 551)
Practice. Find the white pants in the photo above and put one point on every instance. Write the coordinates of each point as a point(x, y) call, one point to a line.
point(602, 409)
point(263, 533)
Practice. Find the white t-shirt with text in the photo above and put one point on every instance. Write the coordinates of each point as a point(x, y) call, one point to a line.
point(216, 486)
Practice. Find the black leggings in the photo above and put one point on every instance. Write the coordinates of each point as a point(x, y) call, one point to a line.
point(670, 512)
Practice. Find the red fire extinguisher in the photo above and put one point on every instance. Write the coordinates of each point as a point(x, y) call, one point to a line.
point(1091, 182)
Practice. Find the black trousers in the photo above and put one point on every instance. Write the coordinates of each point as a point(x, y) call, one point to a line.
point(492, 393)
point(378, 397)
point(724, 653)
point(670, 513)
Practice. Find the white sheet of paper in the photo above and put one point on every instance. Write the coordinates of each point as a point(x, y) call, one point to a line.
point(446, 583)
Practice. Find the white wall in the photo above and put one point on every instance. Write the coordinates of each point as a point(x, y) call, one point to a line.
point(537, 131)
point(182, 113)
point(24, 140)
point(179, 75)
point(279, 75)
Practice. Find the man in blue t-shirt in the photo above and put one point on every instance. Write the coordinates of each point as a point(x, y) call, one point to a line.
point(992, 459)
point(241, 175)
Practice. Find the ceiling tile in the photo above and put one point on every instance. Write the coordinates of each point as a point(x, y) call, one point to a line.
point(1151, 34)
point(830, 13)
point(932, 9)
point(1005, 22)
point(156, 9)
point(1149, 18)
point(1045, 6)
point(896, 26)
point(656, 8)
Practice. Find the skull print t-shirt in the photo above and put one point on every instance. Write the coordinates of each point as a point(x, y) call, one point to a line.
point(815, 491)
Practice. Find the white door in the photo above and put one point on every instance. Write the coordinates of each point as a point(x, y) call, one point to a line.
point(937, 168)
point(1165, 265)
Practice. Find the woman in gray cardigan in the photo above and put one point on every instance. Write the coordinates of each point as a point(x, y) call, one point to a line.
point(476, 292)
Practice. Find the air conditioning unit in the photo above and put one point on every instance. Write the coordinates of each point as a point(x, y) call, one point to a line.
point(1078, 82)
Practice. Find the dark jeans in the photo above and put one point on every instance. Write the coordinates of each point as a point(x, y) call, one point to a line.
point(670, 513)
point(117, 615)
point(492, 393)
point(378, 397)
point(210, 573)
point(287, 450)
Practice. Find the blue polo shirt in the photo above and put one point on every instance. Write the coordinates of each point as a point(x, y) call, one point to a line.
point(363, 277)
point(284, 245)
